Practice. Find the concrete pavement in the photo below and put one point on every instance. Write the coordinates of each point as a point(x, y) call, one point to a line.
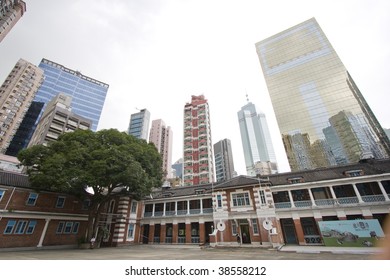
point(192, 252)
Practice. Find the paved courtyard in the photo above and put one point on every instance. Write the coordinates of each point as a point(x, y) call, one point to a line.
point(172, 252)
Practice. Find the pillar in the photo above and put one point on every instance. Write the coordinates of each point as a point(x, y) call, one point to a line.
point(43, 233)
point(151, 234)
point(291, 199)
point(311, 197)
point(357, 193)
point(188, 233)
point(163, 233)
point(175, 232)
point(299, 231)
point(202, 233)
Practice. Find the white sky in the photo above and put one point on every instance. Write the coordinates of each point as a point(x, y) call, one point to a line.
point(156, 54)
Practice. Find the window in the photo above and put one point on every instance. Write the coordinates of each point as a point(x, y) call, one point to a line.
point(219, 201)
point(353, 173)
point(296, 180)
point(240, 199)
point(31, 227)
point(130, 232)
point(60, 227)
point(32, 199)
point(68, 227)
point(20, 227)
point(76, 226)
point(234, 228)
point(134, 205)
point(1, 194)
point(60, 202)
point(10, 227)
point(262, 197)
point(255, 226)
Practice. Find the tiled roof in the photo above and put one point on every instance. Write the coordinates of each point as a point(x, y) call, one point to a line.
point(369, 167)
point(14, 179)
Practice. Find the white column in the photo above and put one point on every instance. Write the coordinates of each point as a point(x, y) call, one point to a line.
point(175, 207)
point(332, 193)
point(188, 207)
point(311, 197)
point(383, 191)
point(43, 233)
point(154, 209)
point(357, 193)
point(165, 205)
point(201, 205)
point(291, 199)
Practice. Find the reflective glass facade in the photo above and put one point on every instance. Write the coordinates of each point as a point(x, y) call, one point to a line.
point(322, 116)
point(255, 137)
point(88, 95)
point(139, 124)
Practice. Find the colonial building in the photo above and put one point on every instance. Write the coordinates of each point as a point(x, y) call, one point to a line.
point(280, 209)
point(283, 208)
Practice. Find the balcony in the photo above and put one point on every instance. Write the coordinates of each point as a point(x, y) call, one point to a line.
point(326, 203)
point(373, 198)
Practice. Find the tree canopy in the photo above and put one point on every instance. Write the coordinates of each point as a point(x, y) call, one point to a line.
point(109, 161)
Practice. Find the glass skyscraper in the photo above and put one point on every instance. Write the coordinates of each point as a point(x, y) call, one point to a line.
point(322, 116)
point(88, 96)
point(256, 139)
point(139, 124)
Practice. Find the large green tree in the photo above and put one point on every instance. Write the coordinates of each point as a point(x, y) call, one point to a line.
point(108, 161)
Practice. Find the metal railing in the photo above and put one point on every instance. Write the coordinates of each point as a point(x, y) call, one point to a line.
point(281, 205)
point(373, 198)
point(303, 203)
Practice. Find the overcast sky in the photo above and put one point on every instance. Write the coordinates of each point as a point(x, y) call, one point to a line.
point(156, 54)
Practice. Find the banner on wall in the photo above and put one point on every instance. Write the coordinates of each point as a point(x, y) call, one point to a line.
point(351, 233)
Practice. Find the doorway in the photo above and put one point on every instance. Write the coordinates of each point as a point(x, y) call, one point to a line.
point(289, 234)
point(145, 235)
point(245, 235)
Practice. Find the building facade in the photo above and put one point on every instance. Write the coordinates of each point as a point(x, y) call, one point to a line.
point(256, 140)
point(198, 150)
point(161, 136)
point(223, 158)
point(139, 124)
point(10, 13)
point(88, 96)
point(56, 120)
point(284, 208)
point(322, 116)
point(33, 219)
point(16, 94)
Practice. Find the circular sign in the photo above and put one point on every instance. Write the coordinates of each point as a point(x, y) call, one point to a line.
point(267, 224)
point(221, 226)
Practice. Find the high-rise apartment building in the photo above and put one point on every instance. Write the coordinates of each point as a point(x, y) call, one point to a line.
point(198, 149)
point(16, 95)
point(322, 116)
point(223, 158)
point(256, 140)
point(161, 136)
point(10, 12)
point(88, 96)
point(58, 119)
point(139, 124)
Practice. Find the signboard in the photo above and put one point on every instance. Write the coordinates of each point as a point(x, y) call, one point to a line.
point(351, 233)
